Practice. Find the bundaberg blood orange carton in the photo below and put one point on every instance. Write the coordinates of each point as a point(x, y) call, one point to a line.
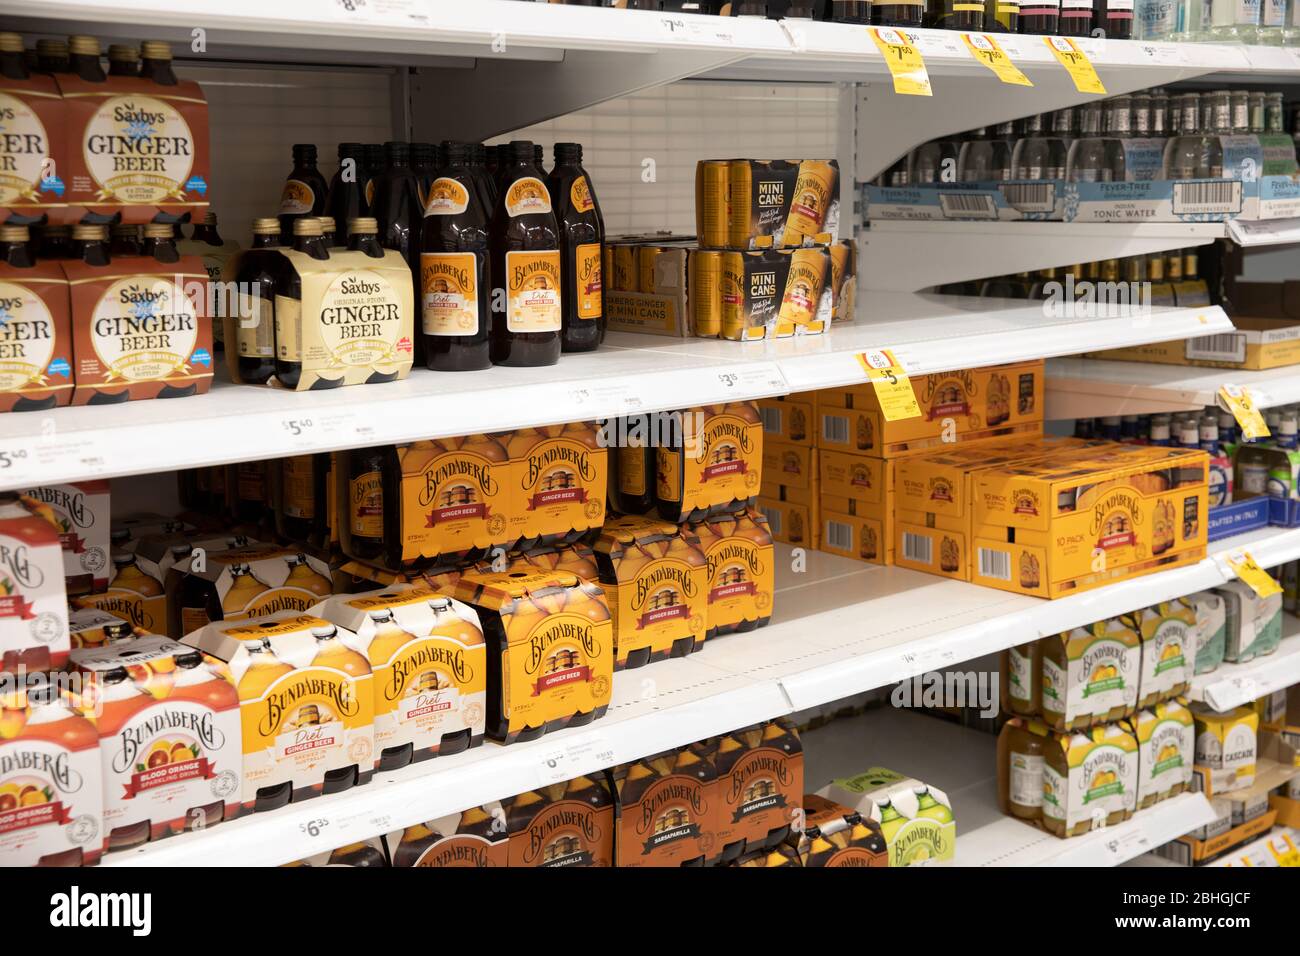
point(33, 605)
point(564, 824)
point(82, 511)
point(429, 662)
point(169, 746)
point(550, 648)
point(51, 798)
point(655, 578)
point(306, 704)
point(475, 838)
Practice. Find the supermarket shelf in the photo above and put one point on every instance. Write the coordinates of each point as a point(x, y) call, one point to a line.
point(840, 628)
point(962, 763)
point(910, 256)
point(633, 373)
point(1231, 685)
point(1085, 388)
point(1267, 232)
point(1265, 851)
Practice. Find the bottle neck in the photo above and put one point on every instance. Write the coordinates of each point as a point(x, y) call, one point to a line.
point(87, 67)
point(16, 254)
point(313, 246)
point(160, 71)
point(93, 252)
point(263, 240)
point(366, 242)
point(13, 66)
point(162, 250)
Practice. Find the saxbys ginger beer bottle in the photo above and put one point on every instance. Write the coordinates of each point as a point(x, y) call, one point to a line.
point(255, 281)
point(582, 239)
point(525, 266)
point(347, 194)
point(454, 279)
point(84, 59)
point(304, 191)
point(307, 239)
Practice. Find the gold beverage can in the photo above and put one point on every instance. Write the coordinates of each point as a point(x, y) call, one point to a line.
point(804, 284)
point(814, 190)
point(646, 257)
point(607, 262)
point(705, 284)
point(740, 183)
point(711, 198)
point(625, 271)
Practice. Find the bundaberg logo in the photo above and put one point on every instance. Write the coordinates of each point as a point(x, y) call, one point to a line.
point(579, 458)
point(575, 631)
point(424, 657)
point(652, 582)
point(447, 469)
point(573, 816)
point(337, 691)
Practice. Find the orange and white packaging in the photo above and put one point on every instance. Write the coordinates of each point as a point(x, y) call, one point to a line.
point(33, 603)
point(81, 509)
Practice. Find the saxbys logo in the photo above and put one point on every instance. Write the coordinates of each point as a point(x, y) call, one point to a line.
point(1115, 520)
point(948, 395)
point(295, 691)
point(560, 835)
point(143, 328)
point(426, 657)
point(24, 148)
point(361, 320)
point(138, 149)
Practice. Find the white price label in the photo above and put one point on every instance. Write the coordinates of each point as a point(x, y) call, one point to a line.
point(1132, 843)
point(376, 11)
point(1224, 695)
point(582, 755)
point(936, 43)
point(1165, 54)
point(1265, 231)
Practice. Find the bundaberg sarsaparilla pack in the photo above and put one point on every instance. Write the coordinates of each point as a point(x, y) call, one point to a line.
point(339, 317)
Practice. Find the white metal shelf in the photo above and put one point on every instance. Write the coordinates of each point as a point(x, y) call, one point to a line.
point(1087, 388)
point(963, 764)
point(840, 628)
point(633, 373)
point(1231, 685)
point(910, 256)
point(1264, 233)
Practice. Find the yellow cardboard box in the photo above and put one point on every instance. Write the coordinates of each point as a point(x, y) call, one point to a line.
point(794, 466)
point(856, 505)
point(788, 419)
point(792, 514)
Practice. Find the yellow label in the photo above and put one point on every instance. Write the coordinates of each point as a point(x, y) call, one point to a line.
point(631, 470)
point(720, 461)
point(588, 281)
point(580, 195)
point(892, 386)
point(425, 687)
point(1248, 570)
point(528, 196)
point(453, 500)
point(366, 505)
point(656, 602)
point(447, 197)
point(563, 665)
point(740, 579)
point(297, 198)
point(533, 299)
point(192, 619)
point(985, 49)
point(288, 329)
point(1242, 405)
point(256, 332)
point(560, 483)
point(1077, 64)
point(449, 290)
point(904, 60)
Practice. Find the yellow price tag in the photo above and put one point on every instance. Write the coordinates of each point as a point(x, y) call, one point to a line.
point(904, 60)
point(1238, 400)
point(893, 387)
point(986, 50)
point(1259, 580)
point(1076, 63)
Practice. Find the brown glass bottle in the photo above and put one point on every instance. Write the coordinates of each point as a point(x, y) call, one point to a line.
point(373, 161)
point(83, 59)
point(347, 192)
point(52, 56)
point(424, 164)
point(1039, 16)
point(124, 240)
point(160, 243)
point(327, 233)
point(955, 14)
point(251, 480)
point(156, 63)
point(526, 266)
point(90, 244)
point(1001, 16)
point(307, 239)
point(304, 191)
point(363, 237)
point(123, 60)
point(478, 166)
point(364, 506)
point(13, 63)
point(896, 14)
point(206, 231)
point(454, 279)
point(1075, 18)
point(581, 251)
point(397, 203)
point(255, 281)
point(304, 492)
point(632, 465)
point(15, 247)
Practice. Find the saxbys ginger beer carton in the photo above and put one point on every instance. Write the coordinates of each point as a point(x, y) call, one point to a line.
point(550, 648)
point(475, 838)
point(36, 331)
point(136, 146)
point(31, 157)
point(667, 809)
point(247, 582)
point(712, 464)
point(169, 738)
point(429, 662)
point(563, 824)
point(759, 787)
point(51, 796)
point(306, 704)
point(82, 512)
point(655, 579)
point(560, 479)
point(837, 836)
point(140, 329)
point(33, 603)
point(739, 559)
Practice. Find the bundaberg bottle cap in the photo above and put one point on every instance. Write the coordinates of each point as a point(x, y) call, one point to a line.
point(11, 43)
point(84, 45)
point(14, 234)
point(158, 230)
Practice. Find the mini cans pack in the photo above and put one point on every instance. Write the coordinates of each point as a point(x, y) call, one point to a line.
point(656, 582)
point(475, 838)
point(33, 603)
point(667, 809)
point(141, 329)
point(713, 466)
point(563, 824)
point(775, 294)
point(82, 511)
point(550, 647)
point(169, 732)
point(762, 204)
point(429, 662)
point(306, 704)
point(36, 336)
point(51, 793)
point(739, 558)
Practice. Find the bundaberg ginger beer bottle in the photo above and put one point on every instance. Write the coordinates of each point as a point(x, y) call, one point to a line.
point(256, 280)
point(454, 280)
point(304, 191)
point(364, 507)
point(307, 239)
point(525, 266)
point(347, 195)
point(581, 251)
